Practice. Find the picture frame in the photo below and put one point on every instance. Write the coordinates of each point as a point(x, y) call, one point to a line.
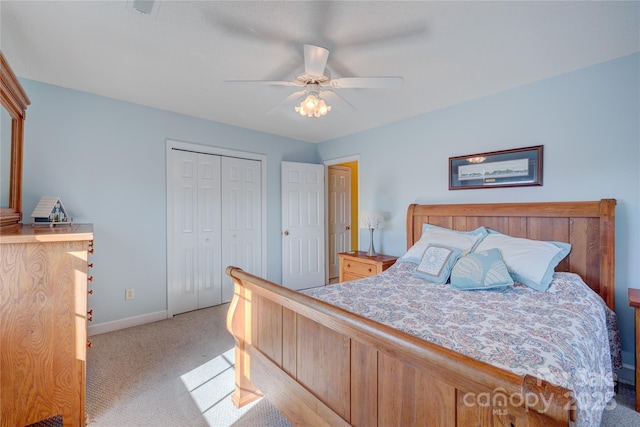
point(518, 167)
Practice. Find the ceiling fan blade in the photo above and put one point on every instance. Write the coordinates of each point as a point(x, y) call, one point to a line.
point(331, 96)
point(247, 29)
point(287, 100)
point(265, 82)
point(366, 82)
point(315, 59)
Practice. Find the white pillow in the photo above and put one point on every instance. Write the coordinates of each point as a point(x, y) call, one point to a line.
point(434, 235)
point(530, 262)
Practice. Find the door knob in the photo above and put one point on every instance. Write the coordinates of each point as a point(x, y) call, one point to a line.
point(286, 232)
point(348, 227)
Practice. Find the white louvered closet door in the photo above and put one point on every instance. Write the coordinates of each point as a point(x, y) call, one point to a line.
point(241, 218)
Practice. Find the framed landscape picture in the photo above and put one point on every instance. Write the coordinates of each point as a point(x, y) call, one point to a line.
point(508, 168)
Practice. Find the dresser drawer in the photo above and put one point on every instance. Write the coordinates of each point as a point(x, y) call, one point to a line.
point(359, 268)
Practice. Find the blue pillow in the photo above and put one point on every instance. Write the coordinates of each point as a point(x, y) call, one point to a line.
point(481, 270)
point(436, 263)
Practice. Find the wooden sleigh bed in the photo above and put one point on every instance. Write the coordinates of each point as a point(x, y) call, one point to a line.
point(322, 365)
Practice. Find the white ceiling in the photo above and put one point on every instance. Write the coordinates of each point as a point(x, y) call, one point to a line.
point(178, 58)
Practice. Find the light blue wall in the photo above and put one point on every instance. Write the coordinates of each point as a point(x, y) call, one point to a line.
point(588, 122)
point(106, 160)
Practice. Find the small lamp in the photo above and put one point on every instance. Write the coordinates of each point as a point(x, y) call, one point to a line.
point(371, 220)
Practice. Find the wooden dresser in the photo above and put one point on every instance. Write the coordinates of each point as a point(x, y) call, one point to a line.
point(43, 315)
point(356, 265)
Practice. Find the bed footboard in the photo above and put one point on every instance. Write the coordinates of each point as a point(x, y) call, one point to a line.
point(322, 365)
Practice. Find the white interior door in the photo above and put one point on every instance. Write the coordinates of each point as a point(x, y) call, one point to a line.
point(303, 253)
point(195, 279)
point(339, 211)
point(241, 218)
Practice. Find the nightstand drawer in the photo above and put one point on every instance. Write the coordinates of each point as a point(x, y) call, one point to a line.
point(359, 268)
point(346, 277)
point(358, 265)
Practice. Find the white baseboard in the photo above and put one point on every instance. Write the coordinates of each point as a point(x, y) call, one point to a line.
point(128, 322)
point(627, 374)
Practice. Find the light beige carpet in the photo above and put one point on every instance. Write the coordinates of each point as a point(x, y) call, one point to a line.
point(179, 373)
point(176, 372)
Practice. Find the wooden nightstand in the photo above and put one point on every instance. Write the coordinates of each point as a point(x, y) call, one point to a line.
point(356, 265)
point(634, 301)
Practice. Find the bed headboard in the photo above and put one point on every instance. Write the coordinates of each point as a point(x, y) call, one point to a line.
point(588, 226)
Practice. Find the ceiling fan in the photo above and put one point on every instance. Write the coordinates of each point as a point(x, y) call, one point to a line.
point(316, 84)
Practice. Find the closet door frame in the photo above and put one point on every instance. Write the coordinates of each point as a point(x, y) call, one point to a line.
point(207, 149)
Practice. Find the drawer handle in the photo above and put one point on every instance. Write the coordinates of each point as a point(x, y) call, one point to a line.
point(90, 265)
point(348, 265)
point(90, 319)
point(369, 270)
point(90, 291)
point(90, 279)
point(91, 251)
point(89, 344)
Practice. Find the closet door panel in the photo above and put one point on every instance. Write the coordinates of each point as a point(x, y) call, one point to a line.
point(184, 278)
point(252, 196)
point(209, 239)
point(241, 218)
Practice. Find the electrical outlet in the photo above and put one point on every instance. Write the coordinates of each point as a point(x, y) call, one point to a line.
point(128, 294)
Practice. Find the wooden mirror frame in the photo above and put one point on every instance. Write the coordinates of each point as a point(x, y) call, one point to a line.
point(15, 100)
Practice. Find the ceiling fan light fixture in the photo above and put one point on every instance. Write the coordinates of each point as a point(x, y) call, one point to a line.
point(313, 106)
point(323, 108)
point(311, 102)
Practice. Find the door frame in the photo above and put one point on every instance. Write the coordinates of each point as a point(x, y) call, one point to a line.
point(331, 209)
point(327, 163)
point(219, 151)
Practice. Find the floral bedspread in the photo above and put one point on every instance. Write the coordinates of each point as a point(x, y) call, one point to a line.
point(566, 335)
